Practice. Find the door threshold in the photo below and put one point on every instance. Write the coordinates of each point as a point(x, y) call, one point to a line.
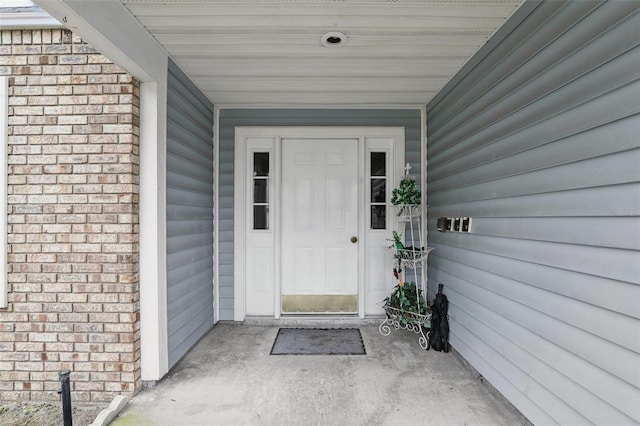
point(314, 321)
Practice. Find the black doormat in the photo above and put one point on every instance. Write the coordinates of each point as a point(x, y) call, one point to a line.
point(318, 341)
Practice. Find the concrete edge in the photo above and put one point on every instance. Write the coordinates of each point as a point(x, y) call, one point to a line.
point(105, 416)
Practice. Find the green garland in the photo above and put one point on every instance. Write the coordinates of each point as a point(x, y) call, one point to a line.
point(406, 193)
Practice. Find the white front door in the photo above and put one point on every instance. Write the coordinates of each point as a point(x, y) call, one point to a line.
point(320, 198)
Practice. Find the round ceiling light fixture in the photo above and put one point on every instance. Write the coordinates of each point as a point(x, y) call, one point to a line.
point(333, 39)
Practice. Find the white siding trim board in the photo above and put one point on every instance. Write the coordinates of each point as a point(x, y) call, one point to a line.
point(153, 279)
point(216, 215)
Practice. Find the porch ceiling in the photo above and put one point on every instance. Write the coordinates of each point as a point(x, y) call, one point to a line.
point(269, 52)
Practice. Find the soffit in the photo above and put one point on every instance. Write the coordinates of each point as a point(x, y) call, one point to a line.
point(269, 53)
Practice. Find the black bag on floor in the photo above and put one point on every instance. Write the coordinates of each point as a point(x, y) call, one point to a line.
point(439, 335)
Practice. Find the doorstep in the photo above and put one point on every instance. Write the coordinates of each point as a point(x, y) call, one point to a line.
point(314, 321)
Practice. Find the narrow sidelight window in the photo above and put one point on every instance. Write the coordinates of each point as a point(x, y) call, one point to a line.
point(378, 181)
point(260, 190)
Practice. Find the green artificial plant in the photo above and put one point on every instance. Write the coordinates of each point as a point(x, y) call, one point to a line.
point(408, 299)
point(406, 193)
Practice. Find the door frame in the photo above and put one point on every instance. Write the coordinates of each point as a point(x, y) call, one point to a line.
point(254, 139)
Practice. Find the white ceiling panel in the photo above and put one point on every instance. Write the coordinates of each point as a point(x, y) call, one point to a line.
point(396, 53)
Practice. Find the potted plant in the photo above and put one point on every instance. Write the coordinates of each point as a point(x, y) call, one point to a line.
point(406, 304)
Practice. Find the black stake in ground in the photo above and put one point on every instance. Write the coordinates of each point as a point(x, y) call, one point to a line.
point(65, 392)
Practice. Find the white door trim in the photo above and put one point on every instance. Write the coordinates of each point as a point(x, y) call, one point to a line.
point(263, 136)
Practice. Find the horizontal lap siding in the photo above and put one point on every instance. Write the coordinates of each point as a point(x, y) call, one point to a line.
point(537, 140)
point(230, 118)
point(189, 214)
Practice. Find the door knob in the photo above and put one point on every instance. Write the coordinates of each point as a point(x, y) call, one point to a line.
point(354, 239)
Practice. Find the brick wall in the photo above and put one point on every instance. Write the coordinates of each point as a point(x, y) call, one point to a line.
point(73, 220)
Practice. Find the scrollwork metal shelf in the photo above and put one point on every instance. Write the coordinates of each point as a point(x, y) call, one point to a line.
point(412, 257)
point(406, 320)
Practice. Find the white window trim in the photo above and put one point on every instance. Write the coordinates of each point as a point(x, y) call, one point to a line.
point(4, 138)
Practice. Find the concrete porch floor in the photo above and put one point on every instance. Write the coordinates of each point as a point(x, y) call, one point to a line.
point(229, 378)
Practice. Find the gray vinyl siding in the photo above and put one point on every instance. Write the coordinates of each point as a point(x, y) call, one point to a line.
point(537, 139)
point(230, 118)
point(189, 213)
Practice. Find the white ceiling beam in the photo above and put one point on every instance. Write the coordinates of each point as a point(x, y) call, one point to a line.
point(110, 28)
